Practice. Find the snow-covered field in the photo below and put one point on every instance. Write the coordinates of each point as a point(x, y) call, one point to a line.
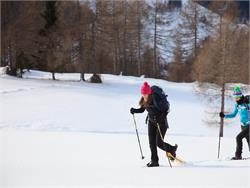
point(76, 134)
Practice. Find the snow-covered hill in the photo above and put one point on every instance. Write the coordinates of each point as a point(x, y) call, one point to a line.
point(172, 24)
point(76, 134)
point(42, 104)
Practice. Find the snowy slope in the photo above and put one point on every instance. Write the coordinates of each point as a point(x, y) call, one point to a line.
point(76, 134)
point(78, 106)
point(63, 159)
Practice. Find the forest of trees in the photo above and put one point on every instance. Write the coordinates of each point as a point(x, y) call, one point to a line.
point(125, 37)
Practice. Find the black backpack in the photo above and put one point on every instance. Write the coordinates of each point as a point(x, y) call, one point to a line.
point(160, 100)
point(247, 100)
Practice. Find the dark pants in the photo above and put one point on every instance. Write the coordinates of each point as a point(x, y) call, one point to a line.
point(243, 134)
point(156, 140)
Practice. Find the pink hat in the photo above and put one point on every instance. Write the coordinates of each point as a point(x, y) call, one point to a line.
point(145, 89)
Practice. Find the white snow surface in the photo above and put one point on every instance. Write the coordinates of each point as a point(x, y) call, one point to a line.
point(67, 133)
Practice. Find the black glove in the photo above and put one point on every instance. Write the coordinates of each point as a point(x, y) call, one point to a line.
point(132, 110)
point(222, 115)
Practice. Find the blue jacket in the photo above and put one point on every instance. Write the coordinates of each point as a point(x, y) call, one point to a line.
point(244, 114)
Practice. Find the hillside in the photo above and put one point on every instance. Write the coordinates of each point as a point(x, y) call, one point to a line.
point(75, 134)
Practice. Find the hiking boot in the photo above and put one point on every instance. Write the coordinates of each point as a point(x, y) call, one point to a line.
point(173, 153)
point(152, 164)
point(236, 158)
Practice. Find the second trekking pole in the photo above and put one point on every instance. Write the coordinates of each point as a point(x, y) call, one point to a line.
point(159, 129)
point(142, 157)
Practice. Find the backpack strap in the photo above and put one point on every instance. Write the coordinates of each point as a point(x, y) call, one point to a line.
point(155, 102)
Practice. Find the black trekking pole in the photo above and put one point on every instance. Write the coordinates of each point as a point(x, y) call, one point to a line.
point(158, 127)
point(142, 157)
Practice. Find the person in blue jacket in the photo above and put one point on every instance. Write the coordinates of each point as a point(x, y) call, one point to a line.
point(242, 107)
